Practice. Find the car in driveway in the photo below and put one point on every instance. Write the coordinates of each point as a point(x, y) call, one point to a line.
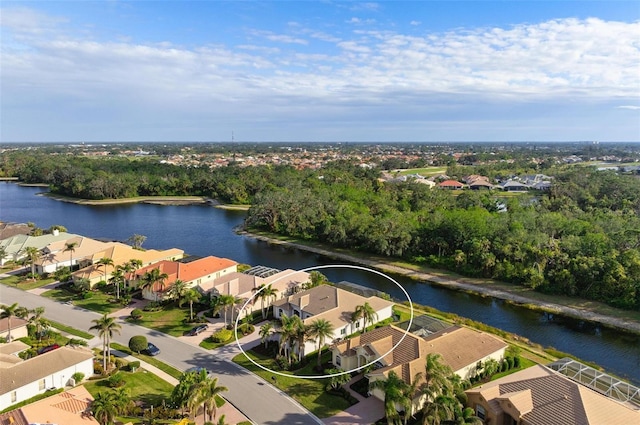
point(197, 330)
point(48, 348)
point(151, 350)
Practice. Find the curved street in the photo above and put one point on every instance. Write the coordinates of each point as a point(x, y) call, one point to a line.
point(257, 399)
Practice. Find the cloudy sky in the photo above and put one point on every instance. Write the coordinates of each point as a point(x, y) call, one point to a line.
point(319, 71)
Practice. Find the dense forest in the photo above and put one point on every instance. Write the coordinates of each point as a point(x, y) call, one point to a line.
point(581, 238)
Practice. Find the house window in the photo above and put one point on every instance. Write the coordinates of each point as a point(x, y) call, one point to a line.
point(480, 412)
point(357, 324)
point(338, 361)
point(343, 331)
point(41, 384)
point(14, 397)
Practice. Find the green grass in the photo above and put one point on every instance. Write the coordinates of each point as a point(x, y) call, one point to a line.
point(142, 386)
point(98, 302)
point(170, 320)
point(20, 282)
point(149, 359)
point(524, 364)
point(425, 172)
point(71, 331)
point(308, 392)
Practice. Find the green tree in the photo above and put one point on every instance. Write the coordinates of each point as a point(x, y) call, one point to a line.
point(365, 312)
point(138, 343)
point(104, 408)
point(106, 327)
point(226, 302)
point(191, 296)
point(177, 291)
point(265, 332)
point(13, 310)
point(117, 279)
point(136, 241)
point(33, 254)
point(150, 278)
point(320, 330)
point(104, 261)
point(70, 247)
point(39, 322)
point(395, 393)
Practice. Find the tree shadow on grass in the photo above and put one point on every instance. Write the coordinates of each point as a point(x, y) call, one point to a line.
point(301, 388)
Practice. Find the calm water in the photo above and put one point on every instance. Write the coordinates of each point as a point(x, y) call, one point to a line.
point(204, 230)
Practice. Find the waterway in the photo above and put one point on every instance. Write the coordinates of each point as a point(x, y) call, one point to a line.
point(204, 230)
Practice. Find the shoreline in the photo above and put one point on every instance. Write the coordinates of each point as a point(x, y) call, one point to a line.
point(628, 325)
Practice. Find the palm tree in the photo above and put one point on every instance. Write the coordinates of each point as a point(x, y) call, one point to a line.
point(177, 291)
point(436, 388)
point(442, 408)
point(103, 407)
point(71, 247)
point(366, 313)
point(39, 322)
point(104, 261)
point(33, 254)
point(3, 254)
point(191, 296)
point(226, 301)
point(106, 327)
point(150, 278)
point(265, 292)
point(395, 393)
point(320, 330)
point(291, 330)
point(265, 332)
point(269, 294)
point(13, 310)
point(209, 391)
point(117, 279)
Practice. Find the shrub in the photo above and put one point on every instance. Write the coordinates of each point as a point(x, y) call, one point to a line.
point(134, 365)
point(119, 362)
point(153, 306)
point(97, 368)
point(77, 377)
point(138, 343)
point(116, 380)
point(223, 335)
point(516, 362)
point(136, 314)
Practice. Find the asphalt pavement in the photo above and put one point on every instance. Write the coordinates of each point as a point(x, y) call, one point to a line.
point(257, 399)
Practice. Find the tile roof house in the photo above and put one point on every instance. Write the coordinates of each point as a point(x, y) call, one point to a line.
point(54, 255)
point(22, 380)
point(121, 254)
point(451, 185)
point(8, 230)
point(243, 285)
point(333, 304)
point(72, 407)
point(194, 273)
point(18, 328)
point(541, 396)
point(15, 246)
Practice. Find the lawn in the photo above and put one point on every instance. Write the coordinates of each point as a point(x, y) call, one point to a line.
point(98, 301)
point(18, 281)
point(151, 360)
point(308, 392)
point(170, 320)
point(71, 331)
point(425, 172)
point(141, 385)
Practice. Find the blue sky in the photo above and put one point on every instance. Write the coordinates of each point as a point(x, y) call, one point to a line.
point(319, 71)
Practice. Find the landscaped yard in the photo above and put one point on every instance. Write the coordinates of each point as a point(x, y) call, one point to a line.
point(141, 385)
point(308, 392)
point(169, 320)
point(151, 360)
point(20, 282)
point(98, 301)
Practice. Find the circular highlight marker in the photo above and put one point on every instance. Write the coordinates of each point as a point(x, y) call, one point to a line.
point(329, 266)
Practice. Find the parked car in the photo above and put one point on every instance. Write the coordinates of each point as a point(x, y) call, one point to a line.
point(151, 350)
point(197, 369)
point(48, 348)
point(197, 330)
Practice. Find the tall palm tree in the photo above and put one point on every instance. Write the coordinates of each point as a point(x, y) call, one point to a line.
point(104, 261)
point(177, 291)
point(291, 331)
point(366, 313)
point(103, 407)
point(395, 393)
point(71, 248)
point(265, 292)
point(436, 388)
point(226, 301)
point(191, 296)
point(106, 327)
point(320, 330)
point(33, 254)
point(117, 279)
point(150, 278)
point(269, 294)
point(39, 322)
point(209, 392)
point(13, 310)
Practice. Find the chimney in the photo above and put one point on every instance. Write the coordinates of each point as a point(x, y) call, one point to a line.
point(55, 232)
point(304, 301)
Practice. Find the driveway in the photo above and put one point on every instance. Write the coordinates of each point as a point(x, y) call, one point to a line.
point(366, 412)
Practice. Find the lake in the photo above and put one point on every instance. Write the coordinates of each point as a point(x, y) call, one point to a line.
point(204, 230)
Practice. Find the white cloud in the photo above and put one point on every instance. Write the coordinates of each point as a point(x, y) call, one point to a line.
point(632, 107)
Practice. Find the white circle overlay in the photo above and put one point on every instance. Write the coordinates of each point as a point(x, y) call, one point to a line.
point(329, 266)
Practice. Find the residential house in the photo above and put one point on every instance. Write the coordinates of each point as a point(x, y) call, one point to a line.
point(194, 272)
point(8, 230)
point(72, 407)
point(121, 254)
point(514, 186)
point(541, 396)
point(15, 246)
point(244, 285)
point(459, 348)
point(18, 328)
point(451, 185)
point(333, 304)
point(55, 256)
point(476, 182)
point(22, 380)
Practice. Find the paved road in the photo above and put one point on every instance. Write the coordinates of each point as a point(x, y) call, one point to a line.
point(256, 398)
